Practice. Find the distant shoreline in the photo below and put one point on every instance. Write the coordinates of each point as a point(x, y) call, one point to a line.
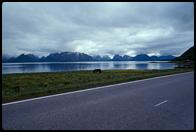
point(85, 61)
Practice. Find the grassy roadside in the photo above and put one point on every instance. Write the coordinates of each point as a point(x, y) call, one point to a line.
point(29, 85)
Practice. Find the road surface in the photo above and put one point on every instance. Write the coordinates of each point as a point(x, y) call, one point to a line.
point(164, 103)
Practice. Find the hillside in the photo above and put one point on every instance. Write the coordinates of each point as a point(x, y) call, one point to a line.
point(187, 55)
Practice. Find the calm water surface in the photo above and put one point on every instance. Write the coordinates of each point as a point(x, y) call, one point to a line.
point(8, 68)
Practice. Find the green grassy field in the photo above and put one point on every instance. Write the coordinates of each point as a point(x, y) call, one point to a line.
point(29, 85)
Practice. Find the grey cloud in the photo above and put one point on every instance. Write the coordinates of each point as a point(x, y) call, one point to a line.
point(98, 28)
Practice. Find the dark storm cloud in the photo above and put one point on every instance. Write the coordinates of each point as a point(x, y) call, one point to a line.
point(98, 28)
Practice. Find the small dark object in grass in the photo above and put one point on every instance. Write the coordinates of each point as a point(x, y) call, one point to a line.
point(97, 71)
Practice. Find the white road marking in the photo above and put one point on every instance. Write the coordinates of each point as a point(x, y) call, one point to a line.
point(160, 103)
point(91, 89)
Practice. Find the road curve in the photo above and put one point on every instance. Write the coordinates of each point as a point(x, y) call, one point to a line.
point(165, 103)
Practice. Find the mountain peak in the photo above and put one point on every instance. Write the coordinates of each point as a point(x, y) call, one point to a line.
point(77, 56)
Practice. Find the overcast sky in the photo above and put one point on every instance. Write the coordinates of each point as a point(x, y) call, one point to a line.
point(98, 28)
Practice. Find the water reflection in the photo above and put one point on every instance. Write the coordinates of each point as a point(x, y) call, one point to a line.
point(75, 66)
point(141, 66)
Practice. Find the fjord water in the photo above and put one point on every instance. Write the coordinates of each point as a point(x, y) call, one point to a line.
point(8, 68)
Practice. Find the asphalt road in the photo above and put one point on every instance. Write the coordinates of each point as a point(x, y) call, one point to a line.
point(162, 103)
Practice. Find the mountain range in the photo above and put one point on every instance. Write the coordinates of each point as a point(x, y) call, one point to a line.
point(76, 56)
